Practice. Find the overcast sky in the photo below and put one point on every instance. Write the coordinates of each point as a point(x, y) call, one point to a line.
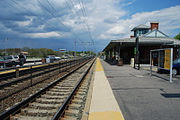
point(59, 23)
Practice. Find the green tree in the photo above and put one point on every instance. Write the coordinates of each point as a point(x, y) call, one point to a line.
point(177, 36)
point(25, 49)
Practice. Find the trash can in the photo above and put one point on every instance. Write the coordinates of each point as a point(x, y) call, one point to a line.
point(132, 62)
point(43, 60)
point(120, 62)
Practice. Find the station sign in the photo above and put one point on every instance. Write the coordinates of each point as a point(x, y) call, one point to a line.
point(135, 50)
point(163, 59)
point(62, 50)
point(167, 59)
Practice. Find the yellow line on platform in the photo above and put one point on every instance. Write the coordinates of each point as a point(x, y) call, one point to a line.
point(103, 103)
point(21, 69)
point(5, 72)
point(109, 115)
point(99, 66)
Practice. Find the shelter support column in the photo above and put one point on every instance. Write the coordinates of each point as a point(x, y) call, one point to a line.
point(110, 55)
point(120, 60)
point(114, 51)
point(179, 52)
point(119, 52)
point(106, 55)
point(114, 57)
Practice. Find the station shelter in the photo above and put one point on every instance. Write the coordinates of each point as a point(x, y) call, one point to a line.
point(149, 38)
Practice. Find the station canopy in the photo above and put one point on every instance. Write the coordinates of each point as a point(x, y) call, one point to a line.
point(155, 37)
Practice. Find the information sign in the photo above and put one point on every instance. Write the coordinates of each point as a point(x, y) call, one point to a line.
point(167, 60)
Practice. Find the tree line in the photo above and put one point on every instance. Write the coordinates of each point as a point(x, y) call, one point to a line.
point(40, 52)
point(177, 36)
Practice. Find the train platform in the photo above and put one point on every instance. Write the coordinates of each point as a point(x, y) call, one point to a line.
point(103, 103)
point(139, 96)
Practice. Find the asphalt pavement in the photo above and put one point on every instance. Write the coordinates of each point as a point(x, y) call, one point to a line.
point(142, 97)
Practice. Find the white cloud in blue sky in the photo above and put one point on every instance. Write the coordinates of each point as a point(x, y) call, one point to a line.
point(58, 23)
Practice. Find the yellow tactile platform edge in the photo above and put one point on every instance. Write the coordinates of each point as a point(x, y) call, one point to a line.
point(99, 66)
point(103, 104)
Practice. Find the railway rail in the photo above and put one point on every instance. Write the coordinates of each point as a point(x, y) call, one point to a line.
point(31, 72)
point(44, 103)
point(76, 108)
point(13, 89)
point(11, 68)
point(20, 71)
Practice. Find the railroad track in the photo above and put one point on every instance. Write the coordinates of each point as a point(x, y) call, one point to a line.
point(12, 73)
point(45, 103)
point(12, 86)
point(33, 73)
point(13, 93)
point(77, 107)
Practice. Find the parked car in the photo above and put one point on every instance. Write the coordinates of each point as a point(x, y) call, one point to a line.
point(2, 62)
point(5, 63)
point(16, 57)
point(176, 67)
point(57, 58)
point(50, 59)
point(64, 57)
point(13, 60)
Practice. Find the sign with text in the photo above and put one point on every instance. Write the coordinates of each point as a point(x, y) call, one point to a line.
point(62, 50)
point(163, 59)
point(167, 59)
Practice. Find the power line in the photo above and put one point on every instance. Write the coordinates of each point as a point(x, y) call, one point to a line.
point(76, 37)
point(85, 16)
point(55, 15)
point(42, 20)
point(51, 5)
point(71, 3)
point(49, 11)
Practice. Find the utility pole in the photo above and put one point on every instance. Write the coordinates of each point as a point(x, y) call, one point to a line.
point(75, 49)
point(5, 46)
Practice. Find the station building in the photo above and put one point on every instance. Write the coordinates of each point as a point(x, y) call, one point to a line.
point(149, 38)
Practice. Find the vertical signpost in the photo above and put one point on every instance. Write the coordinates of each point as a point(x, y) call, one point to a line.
point(165, 60)
point(150, 63)
point(135, 57)
point(136, 54)
point(171, 64)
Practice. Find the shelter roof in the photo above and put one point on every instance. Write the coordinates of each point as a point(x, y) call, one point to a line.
point(141, 26)
point(145, 41)
point(155, 33)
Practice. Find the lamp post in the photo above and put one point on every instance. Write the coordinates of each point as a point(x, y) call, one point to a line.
point(137, 52)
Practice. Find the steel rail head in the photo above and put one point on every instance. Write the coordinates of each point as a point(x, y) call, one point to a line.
point(34, 66)
point(12, 74)
point(6, 115)
point(61, 110)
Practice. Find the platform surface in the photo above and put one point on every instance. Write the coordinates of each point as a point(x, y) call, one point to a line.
point(142, 97)
point(103, 104)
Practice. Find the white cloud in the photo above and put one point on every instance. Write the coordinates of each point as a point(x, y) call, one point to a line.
point(78, 6)
point(106, 23)
point(116, 30)
point(128, 3)
point(168, 18)
point(97, 12)
point(107, 19)
point(44, 35)
point(25, 23)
